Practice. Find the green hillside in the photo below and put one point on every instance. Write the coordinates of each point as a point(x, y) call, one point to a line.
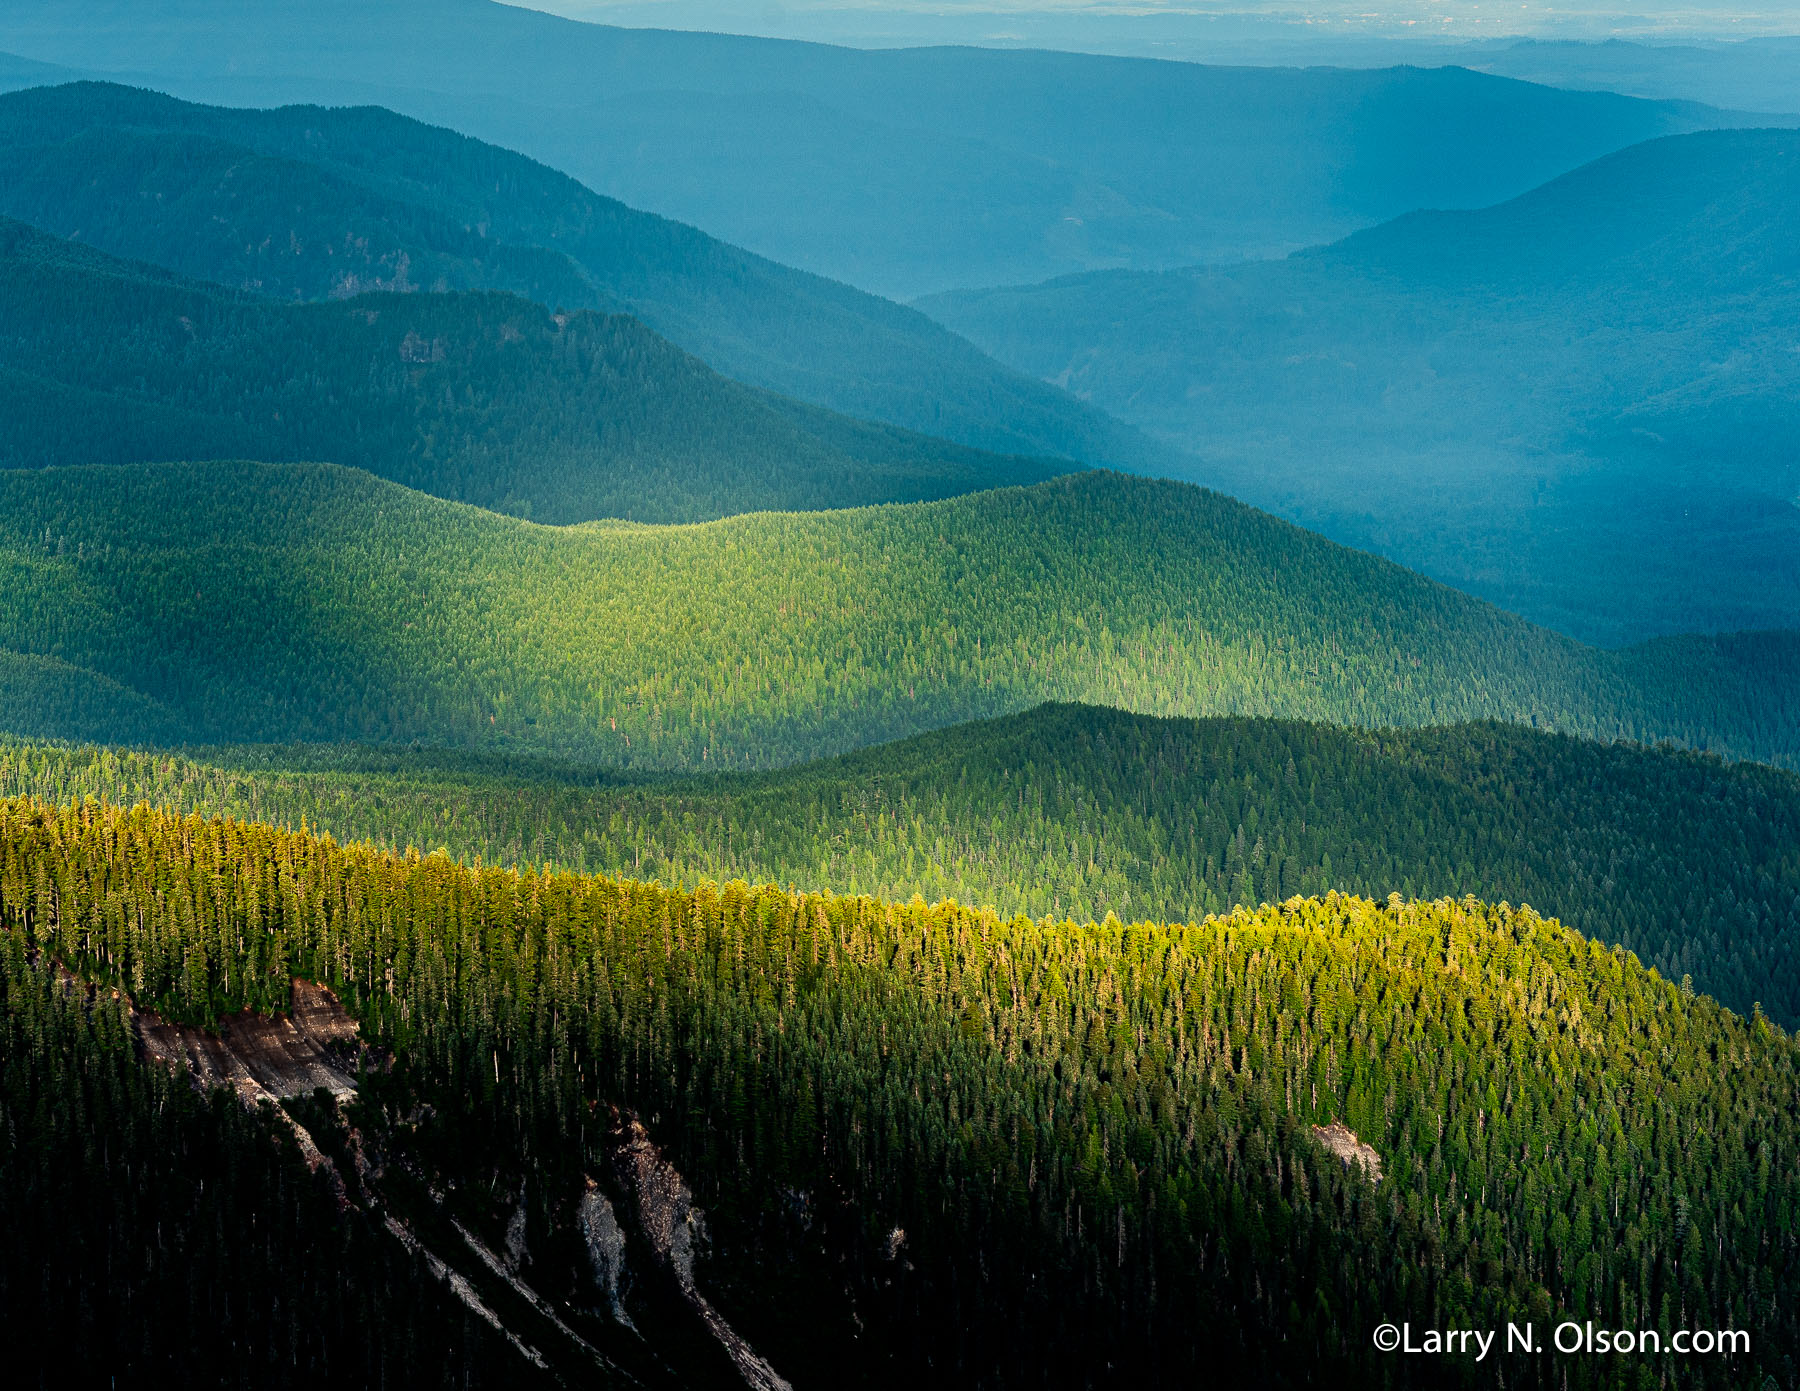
point(485, 398)
point(44, 695)
point(1009, 1153)
point(311, 203)
point(1077, 811)
point(1579, 404)
point(309, 602)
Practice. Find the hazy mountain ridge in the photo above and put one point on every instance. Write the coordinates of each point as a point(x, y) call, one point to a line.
point(988, 166)
point(1578, 403)
point(306, 202)
point(477, 397)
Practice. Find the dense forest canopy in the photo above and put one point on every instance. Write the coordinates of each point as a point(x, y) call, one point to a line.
point(1075, 811)
point(309, 602)
point(1094, 1138)
point(483, 398)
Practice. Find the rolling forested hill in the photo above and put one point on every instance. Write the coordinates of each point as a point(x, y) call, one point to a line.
point(310, 203)
point(1076, 811)
point(310, 602)
point(1580, 404)
point(596, 1101)
point(973, 166)
point(935, 1142)
point(485, 398)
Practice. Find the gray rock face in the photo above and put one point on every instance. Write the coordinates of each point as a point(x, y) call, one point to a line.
point(606, 1248)
point(515, 1235)
point(1341, 1141)
point(661, 1209)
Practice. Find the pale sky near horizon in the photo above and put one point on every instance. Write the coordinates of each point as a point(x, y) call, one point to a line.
point(1460, 18)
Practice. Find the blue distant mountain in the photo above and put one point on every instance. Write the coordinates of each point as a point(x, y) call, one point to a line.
point(305, 203)
point(900, 171)
point(1583, 403)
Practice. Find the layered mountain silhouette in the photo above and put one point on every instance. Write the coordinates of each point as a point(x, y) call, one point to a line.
point(305, 203)
point(1580, 403)
point(973, 166)
point(477, 396)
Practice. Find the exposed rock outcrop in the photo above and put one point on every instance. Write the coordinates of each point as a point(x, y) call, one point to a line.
point(605, 1240)
point(462, 1289)
point(516, 1254)
point(263, 1056)
point(498, 1267)
point(1340, 1140)
point(661, 1209)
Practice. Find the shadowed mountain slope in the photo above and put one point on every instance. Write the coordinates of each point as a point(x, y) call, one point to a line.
point(306, 203)
point(480, 397)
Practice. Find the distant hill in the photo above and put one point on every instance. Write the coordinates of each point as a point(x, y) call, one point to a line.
point(1580, 403)
point(304, 203)
point(1758, 74)
point(479, 397)
point(310, 602)
point(972, 166)
point(16, 72)
point(1667, 221)
point(1075, 811)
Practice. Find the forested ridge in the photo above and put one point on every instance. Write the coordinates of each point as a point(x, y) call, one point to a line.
point(482, 398)
point(1075, 811)
point(310, 202)
point(1093, 1138)
point(355, 609)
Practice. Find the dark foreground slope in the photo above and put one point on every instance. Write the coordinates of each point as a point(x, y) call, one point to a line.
point(156, 1236)
point(971, 166)
point(934, 1143)
point(312, 203)
point(1076, 811)
point(1580, 403)
point(484, 398)
point(281, 602)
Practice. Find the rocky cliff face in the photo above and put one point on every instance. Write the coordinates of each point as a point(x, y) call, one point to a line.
point(605, 1240)
point(638, 1222)
point(661, 1210)
point(264, 1057)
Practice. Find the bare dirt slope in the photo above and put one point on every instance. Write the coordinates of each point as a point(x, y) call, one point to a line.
point(263, 1056)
